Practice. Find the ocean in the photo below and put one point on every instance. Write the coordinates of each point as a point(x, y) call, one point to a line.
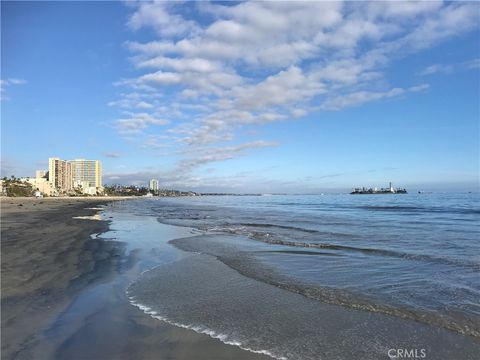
point(313, 277)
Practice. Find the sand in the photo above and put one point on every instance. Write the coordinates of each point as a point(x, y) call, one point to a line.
point(50, 261)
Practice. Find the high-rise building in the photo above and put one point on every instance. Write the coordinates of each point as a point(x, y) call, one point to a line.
point(87, 173)
point(60, 174)
point(153, 185)
point(66, 175)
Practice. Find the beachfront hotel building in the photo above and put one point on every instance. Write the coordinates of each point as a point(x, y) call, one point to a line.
point(86, 173)
point(79, 174)
point(153, 185)
point(60, 174)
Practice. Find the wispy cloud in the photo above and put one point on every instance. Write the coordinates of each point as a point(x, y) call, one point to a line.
point(437, 68)
point(181, 175)
point(136, 122)
point(361, 97)
point(443, 69)
point(4, 83)
point(113, 154)
point(473, 64)
point(215, 154)
point(162, 18)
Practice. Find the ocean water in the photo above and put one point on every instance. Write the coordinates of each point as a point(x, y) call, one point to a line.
point(331, 276)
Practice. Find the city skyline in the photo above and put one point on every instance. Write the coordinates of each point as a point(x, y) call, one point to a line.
point(246, 97)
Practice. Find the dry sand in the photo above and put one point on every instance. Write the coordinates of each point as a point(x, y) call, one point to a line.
point(48, 260)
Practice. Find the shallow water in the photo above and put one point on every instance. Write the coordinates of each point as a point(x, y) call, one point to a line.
point(408, 262)
point(100, 322)
point(202, 294)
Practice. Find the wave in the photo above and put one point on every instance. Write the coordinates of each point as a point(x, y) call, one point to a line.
point(266, 238)
point(250, 229)
point(463, 325)
point(311, 231)
point(274, 239)
point(295, 228)
point(249, 267)
point(298, 252)
point(200, 330)
point(253, 230)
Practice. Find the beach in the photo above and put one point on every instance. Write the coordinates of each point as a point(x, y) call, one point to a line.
point(280, 277)
point(63, 294)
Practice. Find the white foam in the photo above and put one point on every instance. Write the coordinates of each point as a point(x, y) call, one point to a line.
point(92, 217)
point(201, 330)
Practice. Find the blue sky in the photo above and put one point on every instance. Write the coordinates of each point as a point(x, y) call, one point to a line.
point(246, 97)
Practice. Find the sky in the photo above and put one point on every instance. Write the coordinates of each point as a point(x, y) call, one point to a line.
point(284, 97)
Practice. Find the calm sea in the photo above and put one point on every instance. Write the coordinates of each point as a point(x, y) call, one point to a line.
point(268, 273)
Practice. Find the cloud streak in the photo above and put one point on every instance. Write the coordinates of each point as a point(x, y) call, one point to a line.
point(5, 83)
point(136, 122)
point(113, 154)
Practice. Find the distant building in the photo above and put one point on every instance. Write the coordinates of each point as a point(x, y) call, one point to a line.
point(79, 174)
point(153, 185)
point(60, 174)
point(40, 174)
point(87, 173)
point(42, 185)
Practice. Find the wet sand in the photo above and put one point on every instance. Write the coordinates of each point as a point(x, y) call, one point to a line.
point(59, 296)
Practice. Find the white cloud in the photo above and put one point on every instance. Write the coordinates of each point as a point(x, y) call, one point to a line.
point(177, 64)
point(162, 78)
point(136, 122)
point(160, 16)
point(418, 88)
point(403, 9)
point(181, 176)
point(215, 154)
point(113, 154)
point(144, 105)
point(446, 22)
point(296, 113)
point(4, 83)
point(473, 64)
point(16, 81)
point(437, 68)
point(253, 63)
point(129, 104)
point(286, 87)
point(360, 97)
point(156, 142)
point(450, 68)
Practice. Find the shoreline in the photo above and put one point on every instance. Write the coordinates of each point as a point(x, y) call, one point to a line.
point(47, 258)
point(72, 198)
point(51, 266)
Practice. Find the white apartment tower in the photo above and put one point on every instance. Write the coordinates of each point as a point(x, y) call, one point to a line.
point(153, 185)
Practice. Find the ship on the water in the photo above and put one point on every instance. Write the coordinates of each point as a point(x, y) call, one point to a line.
point(389, 190)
